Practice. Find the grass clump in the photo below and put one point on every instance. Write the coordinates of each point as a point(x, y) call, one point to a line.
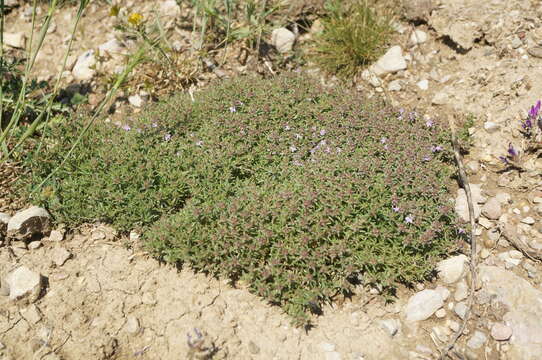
point(353, 36)
point(291, 188)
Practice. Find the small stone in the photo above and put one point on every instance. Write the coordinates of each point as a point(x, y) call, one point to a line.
point(461, 291)
point(56, 235)
point(15, 40)
point(34, 245)
point(423, 84)
point(492, 209)
point(452, 269)
point(283, 40)
point(501, 332)
point(494, 234)
point(84, 70)
point(443, 291)
point(327, 347)
point(60, 256)
point(453, 325)
point(484, 253)
point(485, 223)
point(31, 314)
point(418, 37)
point(371, 78)
point(423, 304)
point(477, 340)
point(462, 206)
point(24, 283)
point(333, 355)
point(394, 85)
point(514, 254)
point(34, 220)
point(392, 61)
point(132, 325)
point(473, 166)
point(461, 310)
point(503, 197)
point(442, 333)
point(136, 101)
point(440, 98)
point(491, 127)
point(440, 313)
point(253, 348)
point(537, 200)
point(97, 235)
point(111, 48)
point(516, 42)
point(528, 220)
point(391, 326)
point(535, 51)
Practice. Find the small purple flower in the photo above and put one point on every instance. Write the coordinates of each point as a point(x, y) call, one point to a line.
point(287, 127)
point(409, 219)
point(429, 123)
point(436, 148)
point(504, 160)
point(298, 137)
point(512, 152)
point(154, 125)
point(412, 116)
point(293, 148)
point(426, 158)
point(383, 140)
point(385, 146)
point(167, 137)
point(322, 132)
point(199, 143)
point(126, 127)
point(533, 113)
point(460, 231)
point(528, 124)
point(233, 109)
point(395, 208)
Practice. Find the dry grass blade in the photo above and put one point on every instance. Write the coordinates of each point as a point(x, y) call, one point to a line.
point(473, 267)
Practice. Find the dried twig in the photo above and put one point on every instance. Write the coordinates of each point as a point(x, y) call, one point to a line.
point(464, 180)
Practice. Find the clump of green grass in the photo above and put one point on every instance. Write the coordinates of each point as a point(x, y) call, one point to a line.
point(288, 187)
point(353, 36)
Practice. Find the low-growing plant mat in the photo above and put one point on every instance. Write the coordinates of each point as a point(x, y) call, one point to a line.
point(294, 189)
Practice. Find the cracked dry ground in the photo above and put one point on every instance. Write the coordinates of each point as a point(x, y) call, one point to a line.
point(109, 302)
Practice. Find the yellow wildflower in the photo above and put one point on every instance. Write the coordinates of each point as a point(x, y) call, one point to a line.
point(135, 19)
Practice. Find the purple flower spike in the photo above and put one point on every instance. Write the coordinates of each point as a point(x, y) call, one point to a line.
point(533, 113)
point(512, 152)
point(528, 124)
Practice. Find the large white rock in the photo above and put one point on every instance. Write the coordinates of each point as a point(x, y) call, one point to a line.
point(461, 204)
point(84, 70)
point(423, 304)
point(34, 220)
point(392, 61)
point(24, 283)
point(452, 269)
point(15, 40)
point(524, 305)
point(282, 39)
